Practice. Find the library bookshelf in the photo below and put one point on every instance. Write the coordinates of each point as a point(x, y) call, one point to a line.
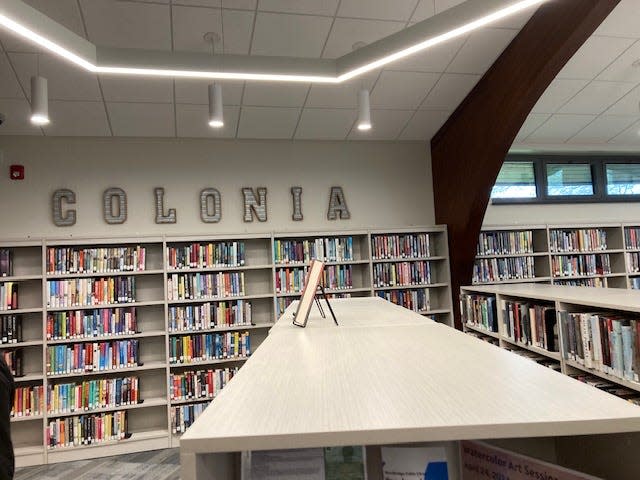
point(566, 328)
point(594, 255)
point(127, 340)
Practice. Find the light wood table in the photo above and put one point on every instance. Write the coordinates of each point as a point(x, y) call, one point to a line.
point(382, 384)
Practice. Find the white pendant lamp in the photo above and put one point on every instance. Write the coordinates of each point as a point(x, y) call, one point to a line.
point(39, 101)
point(364, 110)
point(216, 119)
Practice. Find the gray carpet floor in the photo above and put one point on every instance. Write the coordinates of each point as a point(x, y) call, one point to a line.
point(156, 465)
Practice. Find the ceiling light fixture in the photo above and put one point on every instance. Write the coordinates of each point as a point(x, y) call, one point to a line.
point(364, 110)
point(463, 19)
point(216, 116)
point(39, 101)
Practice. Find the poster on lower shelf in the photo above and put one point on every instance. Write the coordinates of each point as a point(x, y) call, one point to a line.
point(414, 463)
point(344, 463)
point(303, 464)
point(481, 461)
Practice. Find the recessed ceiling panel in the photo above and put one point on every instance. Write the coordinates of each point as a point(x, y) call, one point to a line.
point(560, 128)
point(325, 123)
point(118, 88)
point(346, 32)
point(424, 125)
point(399, 10)
point(267, 122)
point(557, 94)
point(309, 7)
point(141, 119)
point(596, 97)
point(275, 94)
point(481, 50)
point(77, 119)
point(602, 129)
point(17, 113)
point(402, 89)
point(450, 90)
point(594, 56)
point(387, 125)
point(290, 35)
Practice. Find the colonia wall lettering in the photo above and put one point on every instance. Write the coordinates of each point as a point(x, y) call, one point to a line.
point(114, 206)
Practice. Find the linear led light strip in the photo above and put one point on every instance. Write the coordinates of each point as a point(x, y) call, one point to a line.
point(57, 49)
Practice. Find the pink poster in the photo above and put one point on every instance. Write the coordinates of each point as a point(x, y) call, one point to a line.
point(480, 461)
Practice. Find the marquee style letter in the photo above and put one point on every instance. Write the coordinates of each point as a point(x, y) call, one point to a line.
point(250, 203)
point(205, 215)
point(59, 219)
point(108, 205)
point(170, 217)
point(296, 192)
point(337, 205)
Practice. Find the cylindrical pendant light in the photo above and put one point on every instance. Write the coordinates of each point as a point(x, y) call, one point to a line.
point(216, 119)
point(39, 101)
point(364, 111)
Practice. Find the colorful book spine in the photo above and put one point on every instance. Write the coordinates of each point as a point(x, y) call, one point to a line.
point(400, 246)
point(28, 401)
point(335, 277)
point(10, 328)
point(193, 286)
point(206, 255)
point(69, 260)
point(86, 429)
point(8, 296)
point(415, 299)
point(209, 315)
point(330, 249)
point(479, 311)
point(633, 262)
point(14, 360)
point(632, 237)
point(580, 282)
point(199, 384)
point(183, 416)
point(530, 324)
point(487, 270)
point(92, 394)
point(575, 265)
point(6, 262)
point(580, 240)
point(282, 304)
point(505, 243)
point(91, 323)
point(401, 274)
point(186, 349)
point(92, 357)
point(78, 292)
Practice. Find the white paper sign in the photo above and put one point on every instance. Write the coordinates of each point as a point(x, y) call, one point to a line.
point(414, 463)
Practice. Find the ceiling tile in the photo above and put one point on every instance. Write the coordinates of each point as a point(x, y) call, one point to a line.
point(275, 94)
point(623, 21)
point(631, 136)
point(141, 119)
point(290, 35)
point(191, 23)
point(596, 97)
point(65, 81)
point(442, 5)
point(481, 50)
point(9, 86)
point(627, 105)
point(622, 69)
point(557, 94)
point(532, 122)
point(137, 89)
point(516, 21)
point(196, 92)
point(386, 125)
point(602, 129)
point(450, 90)
point(309, 7)
point(594, 56)
point(239, 4)
point(559, 128)
point(346, 32)
point(344, 95)
point(424, 125)
point(192, 121)
point(17, 113)
point(399, 10)
point(267, 122)
point(127, 24)
point(434, 59)
point(425, 9)
point(402, 89)
point(325, 123)
point(77, 119)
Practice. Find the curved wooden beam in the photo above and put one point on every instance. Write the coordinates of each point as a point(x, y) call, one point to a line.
point(469, 149)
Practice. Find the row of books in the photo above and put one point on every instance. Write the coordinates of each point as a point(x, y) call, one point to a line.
point(90, 291)
point(10, 328)
point(415, 299)
point(200, 383)
point(498, 269)
point(14, 360)
point(607, 343)
point(209, 346)
point(205, 285)
point(282, 303)
point(402, 273)
point(206, 255)
point(580, 282)
point(330, 249)
point(92, 394)
point(183, 416)
point(629, 395)
point(99, 322)
point(414, 245)
point(28, 401)
point(505, 243)
point(589, 264)
point(86, 429)
point(633, 261)
point(635, 283)
point(209, 315)
point(632, 237)
point(291, 280)
point(8, 296)
point(579, 240)
point(6, 262)
point(91, 357)
point(535, 357)
point(479, 311)
point(530, 324)
point(70, 260)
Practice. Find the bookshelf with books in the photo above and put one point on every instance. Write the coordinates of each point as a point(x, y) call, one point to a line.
point(594, 338)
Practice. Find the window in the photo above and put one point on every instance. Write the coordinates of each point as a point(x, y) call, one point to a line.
point(623, 178)
point(569, 179)
point(515, 180)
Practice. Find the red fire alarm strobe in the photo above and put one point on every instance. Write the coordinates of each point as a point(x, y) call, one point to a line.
point(16, 172)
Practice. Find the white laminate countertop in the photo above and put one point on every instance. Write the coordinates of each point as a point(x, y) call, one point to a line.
point(378, 384)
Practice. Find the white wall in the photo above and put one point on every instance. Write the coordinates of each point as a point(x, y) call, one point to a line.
point(386, 184)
